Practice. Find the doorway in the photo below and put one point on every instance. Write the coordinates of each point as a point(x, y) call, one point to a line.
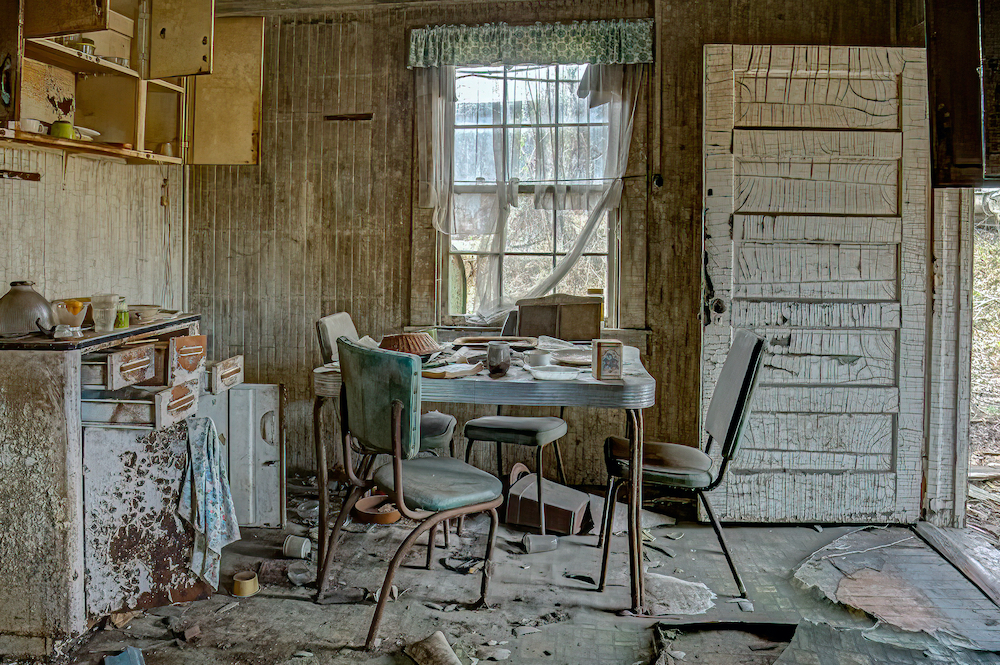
point(983, 508)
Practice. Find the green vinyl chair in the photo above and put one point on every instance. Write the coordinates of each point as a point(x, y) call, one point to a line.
point(380, 414)
point(684, 469)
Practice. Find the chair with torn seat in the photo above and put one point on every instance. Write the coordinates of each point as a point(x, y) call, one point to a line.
point(684, 469)
point(380, 414)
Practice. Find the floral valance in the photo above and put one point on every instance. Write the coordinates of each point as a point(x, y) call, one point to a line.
point(622, 42)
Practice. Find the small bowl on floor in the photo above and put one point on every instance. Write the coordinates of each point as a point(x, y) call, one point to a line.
point(245, 584)
point(377, 509)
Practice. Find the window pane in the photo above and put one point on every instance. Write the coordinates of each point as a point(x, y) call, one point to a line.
point(570, 223)
point(530, 97)
point(479, 94)
point(530, 153)
point(590, 272)
point(474, 155)
point(571, 107)
point(520, 273)
point(528, 229)
point(581, 152)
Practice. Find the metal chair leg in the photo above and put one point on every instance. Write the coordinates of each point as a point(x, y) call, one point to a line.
point(390, 574)
point(488, 566)
point(559, 463)
point(468, 450)
point(500, 461)
point(608, 505)
point(722, 542)
point(432, 543)
point(614, 484)
point(331, 545)
point(447, 535)
point(540, 476)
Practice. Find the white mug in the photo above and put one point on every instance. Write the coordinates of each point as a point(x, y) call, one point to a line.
point(537, 357)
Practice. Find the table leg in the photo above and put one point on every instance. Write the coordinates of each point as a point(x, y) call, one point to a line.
point(634, 433)
point(322, 479)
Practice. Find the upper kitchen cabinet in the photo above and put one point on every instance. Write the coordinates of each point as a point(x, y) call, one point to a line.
point(48, 18)
point(224, 107)
point(181, 37)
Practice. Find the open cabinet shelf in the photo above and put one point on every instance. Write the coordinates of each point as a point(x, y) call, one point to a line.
point(64, 57)
point(88, 147)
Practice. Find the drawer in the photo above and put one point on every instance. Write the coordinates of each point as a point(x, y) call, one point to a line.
point(186, 358)
point(112, 370)
point(139, 409)
point(225, 374)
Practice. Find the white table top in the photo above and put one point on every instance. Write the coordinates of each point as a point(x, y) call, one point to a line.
point(637, 390)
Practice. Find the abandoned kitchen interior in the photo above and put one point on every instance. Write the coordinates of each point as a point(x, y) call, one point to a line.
point(460, 331)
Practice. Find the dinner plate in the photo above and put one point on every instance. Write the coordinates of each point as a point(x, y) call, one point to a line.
point(575, 357)
point(554, 373)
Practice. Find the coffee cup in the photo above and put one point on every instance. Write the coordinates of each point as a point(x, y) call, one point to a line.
point(537, 357)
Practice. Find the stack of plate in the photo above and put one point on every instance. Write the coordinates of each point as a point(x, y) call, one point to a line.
point(326, 381)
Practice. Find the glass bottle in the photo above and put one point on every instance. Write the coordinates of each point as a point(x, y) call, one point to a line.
point(121, 316)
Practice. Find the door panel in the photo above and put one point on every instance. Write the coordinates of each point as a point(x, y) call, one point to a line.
point(256, 455)
point(181, 37)
point(816, 235)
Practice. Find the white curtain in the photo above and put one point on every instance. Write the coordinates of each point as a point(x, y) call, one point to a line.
point(495, 190)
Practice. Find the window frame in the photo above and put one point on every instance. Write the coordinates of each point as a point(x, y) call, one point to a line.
point(445, 252)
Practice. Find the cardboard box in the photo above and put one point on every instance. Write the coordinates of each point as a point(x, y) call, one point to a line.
point(607, 360)
point(566, 510)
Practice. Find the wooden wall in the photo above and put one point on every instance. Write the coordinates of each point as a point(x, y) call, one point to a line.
point(326, 222)
point(91, 226)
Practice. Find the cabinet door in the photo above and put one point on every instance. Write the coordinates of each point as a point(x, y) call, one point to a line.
point(224, 109)
point(46, 18)
point(181, 37)
point(256, 455)
point(11, 52)
point(136, 547)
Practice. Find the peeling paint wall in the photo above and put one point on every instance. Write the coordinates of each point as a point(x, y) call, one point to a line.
point(91, 226)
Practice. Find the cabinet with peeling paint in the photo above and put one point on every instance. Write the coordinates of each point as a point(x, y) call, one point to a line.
point(137, 90)
point(90, 473)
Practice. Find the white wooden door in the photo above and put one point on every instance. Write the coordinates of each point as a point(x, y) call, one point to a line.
point(816, 236)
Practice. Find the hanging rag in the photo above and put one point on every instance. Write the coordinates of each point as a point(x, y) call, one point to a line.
point(206, 502)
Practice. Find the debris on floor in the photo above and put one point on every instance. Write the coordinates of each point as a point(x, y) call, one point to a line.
point(822, 643)
point(720, 642)
point(892, 575)
point(433, 650)
point(670, 595)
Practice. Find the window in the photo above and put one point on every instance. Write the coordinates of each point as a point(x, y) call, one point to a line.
point(530, 123)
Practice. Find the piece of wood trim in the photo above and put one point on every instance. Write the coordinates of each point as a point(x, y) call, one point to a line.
point(973, 570)
point(19, 175)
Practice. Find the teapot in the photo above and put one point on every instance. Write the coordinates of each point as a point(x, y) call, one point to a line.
point(23, 310)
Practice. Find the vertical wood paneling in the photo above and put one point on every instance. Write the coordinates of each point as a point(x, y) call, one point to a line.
point(365, 244)
point(91, 226)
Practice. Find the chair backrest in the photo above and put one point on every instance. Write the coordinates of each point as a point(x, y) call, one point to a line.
point(373, 380)
point(329, 329)
point(730, 405)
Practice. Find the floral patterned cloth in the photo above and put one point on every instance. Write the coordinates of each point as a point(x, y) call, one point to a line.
point(618, 42)
point(206, 502)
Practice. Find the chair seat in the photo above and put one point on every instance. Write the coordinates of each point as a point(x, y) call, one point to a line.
point(663, 463)
point(441, 483)
point(436, 430)
point(513, 429)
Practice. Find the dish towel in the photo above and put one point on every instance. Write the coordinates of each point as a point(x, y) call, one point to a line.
point(206, 502)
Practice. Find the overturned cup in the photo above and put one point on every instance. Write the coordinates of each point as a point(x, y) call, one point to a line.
point(296, 547)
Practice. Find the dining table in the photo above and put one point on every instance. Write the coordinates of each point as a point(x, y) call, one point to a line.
point(635, 391)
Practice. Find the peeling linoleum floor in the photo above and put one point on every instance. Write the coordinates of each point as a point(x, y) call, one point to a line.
point(577, 625)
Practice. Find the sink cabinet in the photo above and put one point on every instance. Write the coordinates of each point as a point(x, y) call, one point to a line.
point(90, 472)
